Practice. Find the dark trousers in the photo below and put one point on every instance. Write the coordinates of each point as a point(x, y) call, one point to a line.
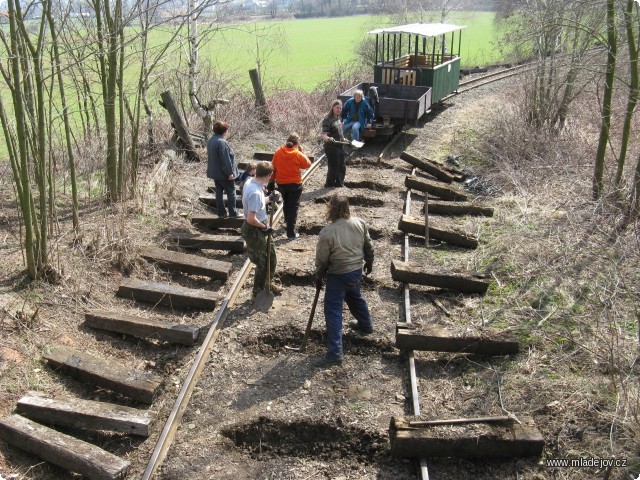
point(291, 193)
point(256, 242)
point(336, 167)
point(344, 287)
point(227, 187)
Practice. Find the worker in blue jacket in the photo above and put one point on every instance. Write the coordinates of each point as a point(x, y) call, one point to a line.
point(356, 113)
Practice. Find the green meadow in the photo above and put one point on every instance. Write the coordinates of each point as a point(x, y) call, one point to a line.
point(304, 52)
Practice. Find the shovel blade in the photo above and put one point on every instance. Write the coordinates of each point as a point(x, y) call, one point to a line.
point(263, 301)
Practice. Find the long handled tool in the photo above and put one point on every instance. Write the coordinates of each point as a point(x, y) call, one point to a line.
point(353, 143)
point(303, 345)
point(264, 299)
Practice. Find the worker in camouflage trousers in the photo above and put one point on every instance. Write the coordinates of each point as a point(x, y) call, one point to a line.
point(256, 228)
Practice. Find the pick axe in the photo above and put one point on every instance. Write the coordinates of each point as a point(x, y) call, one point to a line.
point(303, 345)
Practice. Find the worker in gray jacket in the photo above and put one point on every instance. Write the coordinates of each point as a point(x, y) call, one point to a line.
point(223, 169)
point(343, 247)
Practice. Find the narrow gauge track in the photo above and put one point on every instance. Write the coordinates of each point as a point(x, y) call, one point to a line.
point(166, 438)
point(492, 77)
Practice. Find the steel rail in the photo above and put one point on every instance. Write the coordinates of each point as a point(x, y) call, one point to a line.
point(492, 80)
point(413, 380)
point(182, 401)
point(499, 76)
point(511, 70)
point(173, 422)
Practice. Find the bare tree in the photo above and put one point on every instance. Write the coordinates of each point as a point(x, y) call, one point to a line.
point(630, 23)
point(605, 127)
point(65, 115)
point(559, 35)
point(24, 127)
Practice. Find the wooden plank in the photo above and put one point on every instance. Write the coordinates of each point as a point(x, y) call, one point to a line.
point(261, 103)
point(212, 189)
point(142, 327)
point(436, 338)
point(63, 450)
point(213, 222)
point(437, 231)
point(431, 168)
point(167, 295)
point(412, 272)
point(109, 374)
point(208, 241)
point(480, 440)
point(188, 263)
point(444, 192)
point(86, 414)
point(211, 201)
point(268, 156)
point(263, 156)
point(180, 127)
point(459, 208)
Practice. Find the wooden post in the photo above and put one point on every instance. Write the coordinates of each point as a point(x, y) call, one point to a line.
point(180, 127)
point(261, 103)
point(426, 219)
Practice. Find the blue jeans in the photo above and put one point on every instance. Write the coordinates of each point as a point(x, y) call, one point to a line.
point(354, 128)
point(343, 287)
point(229, 188)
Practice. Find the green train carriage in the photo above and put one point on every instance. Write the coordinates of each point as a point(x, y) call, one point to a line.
point(416, 66)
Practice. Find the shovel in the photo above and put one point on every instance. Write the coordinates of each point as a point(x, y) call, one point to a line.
point(264, 299)
point(303, 345)
point(353, 143)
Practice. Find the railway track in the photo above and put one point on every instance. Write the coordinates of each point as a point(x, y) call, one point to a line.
point(371, 165)
point(492, 77)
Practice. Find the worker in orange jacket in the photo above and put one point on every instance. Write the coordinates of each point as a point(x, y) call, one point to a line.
point(288, 161)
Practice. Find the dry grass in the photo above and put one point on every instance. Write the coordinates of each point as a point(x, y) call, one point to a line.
point(566, 283)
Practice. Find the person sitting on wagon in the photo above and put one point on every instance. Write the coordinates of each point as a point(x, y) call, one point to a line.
point(356, 113)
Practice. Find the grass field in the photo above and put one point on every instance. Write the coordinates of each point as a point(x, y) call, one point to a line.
point(304, 52)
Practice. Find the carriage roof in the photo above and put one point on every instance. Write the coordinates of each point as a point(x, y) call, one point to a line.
point(422, 29)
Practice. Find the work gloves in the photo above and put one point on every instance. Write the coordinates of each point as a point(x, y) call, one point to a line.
point(271, 186)
point(318, 282)
point(267, 230)
point(368, 267)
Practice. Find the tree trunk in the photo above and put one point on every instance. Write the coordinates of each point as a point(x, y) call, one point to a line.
point(598, 172)
point(67, 126)
point(632, 100)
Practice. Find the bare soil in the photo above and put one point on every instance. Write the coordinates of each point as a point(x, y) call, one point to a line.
point(262, 411)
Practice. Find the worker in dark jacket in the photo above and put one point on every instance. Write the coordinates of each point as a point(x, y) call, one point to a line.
point(356, 113)
point(223, 169)
point(343, 246)
point(332, 133)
